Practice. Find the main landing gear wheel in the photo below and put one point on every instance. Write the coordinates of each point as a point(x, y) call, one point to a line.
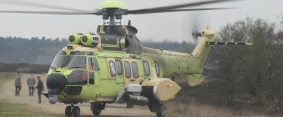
point(97, 108)
point(68, 111)
point(76, 111)
point(161, 111)
point(96, 111)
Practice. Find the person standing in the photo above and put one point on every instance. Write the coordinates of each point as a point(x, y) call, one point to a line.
point(40, 88)
point(18, 84)
point(31, 83)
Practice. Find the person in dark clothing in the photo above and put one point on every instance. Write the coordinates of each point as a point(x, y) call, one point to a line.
point(18, 84)
point(39, 88)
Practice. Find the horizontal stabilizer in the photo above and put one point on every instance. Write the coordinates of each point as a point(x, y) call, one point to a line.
point(228, 43)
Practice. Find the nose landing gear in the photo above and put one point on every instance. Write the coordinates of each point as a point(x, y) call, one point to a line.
point(72, 110)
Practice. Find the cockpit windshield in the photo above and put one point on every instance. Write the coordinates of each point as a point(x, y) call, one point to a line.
point(61, 59)
point(74, 60)
point(78, 62)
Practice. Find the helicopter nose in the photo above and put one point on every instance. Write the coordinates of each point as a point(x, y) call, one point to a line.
point(56, 81)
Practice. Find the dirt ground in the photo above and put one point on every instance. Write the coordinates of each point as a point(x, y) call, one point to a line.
point(58, 110)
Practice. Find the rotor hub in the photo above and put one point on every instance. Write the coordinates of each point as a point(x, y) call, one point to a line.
point(112, 4)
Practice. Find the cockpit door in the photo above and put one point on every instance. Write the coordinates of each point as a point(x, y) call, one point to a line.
point(131, 72)
point(91, 76)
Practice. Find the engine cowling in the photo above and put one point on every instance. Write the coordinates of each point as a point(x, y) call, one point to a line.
point(89, 40)
point(75, 38)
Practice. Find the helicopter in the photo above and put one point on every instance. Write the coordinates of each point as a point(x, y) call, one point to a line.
point(112, 66)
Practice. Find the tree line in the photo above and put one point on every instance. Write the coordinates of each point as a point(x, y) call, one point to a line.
point(257, 69)
point(27, 50)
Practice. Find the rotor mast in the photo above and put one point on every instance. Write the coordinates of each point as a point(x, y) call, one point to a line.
point(110, 14)
point(111, 11)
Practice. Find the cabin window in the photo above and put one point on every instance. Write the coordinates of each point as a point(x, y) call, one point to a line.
point(79, 62)
point(112, 68)
point(119, 67)
point(95, 64)
point(135, 69)
point(90, 64)
point(146, 68)
point(91, 77)
point(157, 68)
point(127, 69)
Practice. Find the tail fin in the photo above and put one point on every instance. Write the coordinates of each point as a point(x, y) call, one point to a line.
point(201, 52)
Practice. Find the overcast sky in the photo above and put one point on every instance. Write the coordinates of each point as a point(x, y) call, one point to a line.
point(151, 26)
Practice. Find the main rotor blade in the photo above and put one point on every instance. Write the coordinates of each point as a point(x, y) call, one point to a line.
point(32, 4)
point(165, 8)
point(53, 12)
point(178, 10)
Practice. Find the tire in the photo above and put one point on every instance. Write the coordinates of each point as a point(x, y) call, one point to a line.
point(68, 111)
point(76, 111)
point(96, 111)
point(130, 105)
point(162, 111)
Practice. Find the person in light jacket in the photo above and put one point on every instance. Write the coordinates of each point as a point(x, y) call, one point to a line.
point(40, 88)
point(31, 83)
point(18, 84)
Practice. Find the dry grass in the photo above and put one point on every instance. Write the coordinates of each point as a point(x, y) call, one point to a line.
point(209, 101)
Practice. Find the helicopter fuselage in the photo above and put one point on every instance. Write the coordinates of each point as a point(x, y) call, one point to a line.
point(98, 76)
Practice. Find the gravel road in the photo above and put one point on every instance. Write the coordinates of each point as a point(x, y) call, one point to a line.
point(58, 110)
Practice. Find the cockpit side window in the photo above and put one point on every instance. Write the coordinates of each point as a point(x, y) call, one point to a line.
point(112, 68)
point(91, 77)
point(90, 64)
point(95, 64)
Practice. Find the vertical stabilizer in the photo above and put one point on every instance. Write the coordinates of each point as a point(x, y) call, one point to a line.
point(201, 52)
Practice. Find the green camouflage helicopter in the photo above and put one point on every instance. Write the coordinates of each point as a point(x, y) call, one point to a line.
point(111, 65)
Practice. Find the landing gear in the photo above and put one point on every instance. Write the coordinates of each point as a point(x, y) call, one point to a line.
point(76, 111)
point(96, 111)
point(96, 108)
point(72, 110)
point(68, 111)
point(162, 111)
point(158, 108)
